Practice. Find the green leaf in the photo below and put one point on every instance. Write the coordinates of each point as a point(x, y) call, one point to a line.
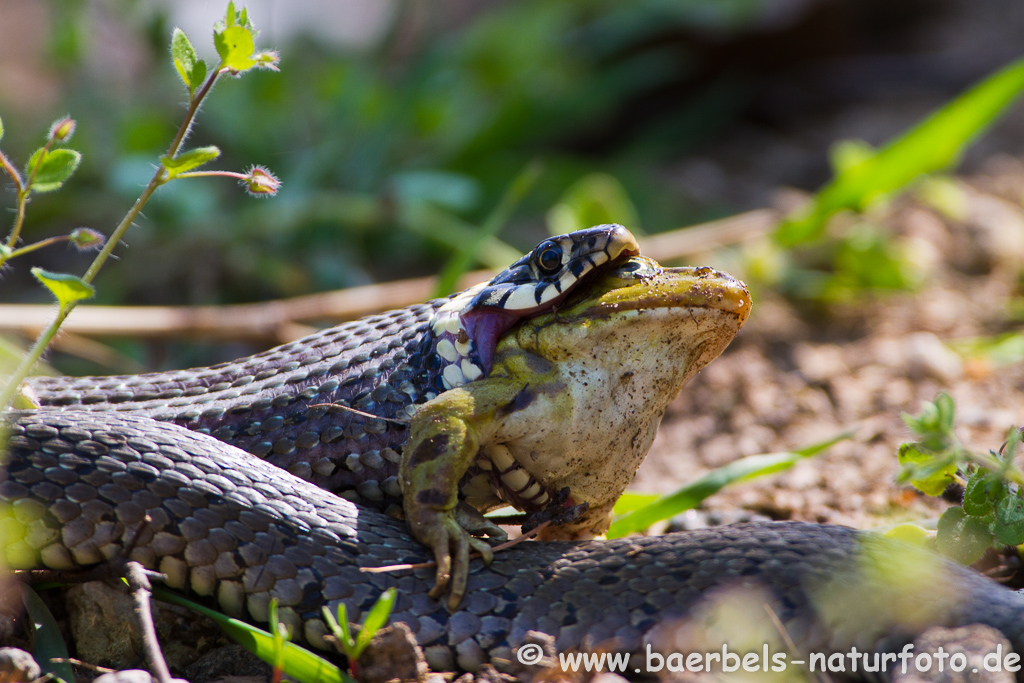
point(55, 166)
point(340, 630)
point(375, 619)
point(928, 472)
point(981, 490)
point(184, 56)
point(1000, 350)
point(846, 154)
point(1008, 526)
point(187, 161)
point(68, 289)
point(299, 663)
point(692, 494)
point(947, 410)
point(935, 423)
point(962, 537)
point(1, 129)
point(934, 144)
point(447, 281)
point(198, 74)
point(235, 46)
point(47, 642)
point(910, 533)
point(278, 634)
point(594, 199)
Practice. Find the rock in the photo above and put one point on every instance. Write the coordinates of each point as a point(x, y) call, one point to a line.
point(17, 666)
point(103, 624)
point(392, 655)
point(819, 364)
point(978, 651)
point(927, 356)
point(126, 676)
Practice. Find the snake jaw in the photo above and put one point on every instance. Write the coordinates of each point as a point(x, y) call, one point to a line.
point(466, 329)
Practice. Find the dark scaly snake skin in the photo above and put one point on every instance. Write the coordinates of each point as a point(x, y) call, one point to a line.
point(263, 403)
point(283, 405)
point(227, 525)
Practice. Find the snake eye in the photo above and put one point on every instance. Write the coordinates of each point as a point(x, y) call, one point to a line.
point(549, 258)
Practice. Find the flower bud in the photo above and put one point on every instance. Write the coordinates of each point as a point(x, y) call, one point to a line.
point(260, 182)
point(268, 59)
point(62, 129)
point(86, 238)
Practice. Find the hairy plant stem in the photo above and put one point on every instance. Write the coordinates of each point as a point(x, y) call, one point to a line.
point(19, 216)
point(28, 248)
point(159, 178)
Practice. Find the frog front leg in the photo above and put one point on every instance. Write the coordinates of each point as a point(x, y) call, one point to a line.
point(445, 436)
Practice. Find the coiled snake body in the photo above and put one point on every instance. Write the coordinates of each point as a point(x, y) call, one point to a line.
point(226, 524)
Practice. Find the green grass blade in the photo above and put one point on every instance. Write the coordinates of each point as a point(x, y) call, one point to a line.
point(463, 259)
point(691, 495)
point(299, 663)
point(442, 226)
point(47, 643)
point(375, 619)
point(934, 144)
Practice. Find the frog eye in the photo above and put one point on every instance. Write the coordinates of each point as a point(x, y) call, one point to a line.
point(549, 258)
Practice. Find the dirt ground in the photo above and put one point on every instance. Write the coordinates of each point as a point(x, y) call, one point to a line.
point(794, 377)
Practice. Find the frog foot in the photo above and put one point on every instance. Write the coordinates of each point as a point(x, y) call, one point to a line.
point(450, 535)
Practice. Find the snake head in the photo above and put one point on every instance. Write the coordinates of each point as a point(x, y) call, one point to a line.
point(467, 328)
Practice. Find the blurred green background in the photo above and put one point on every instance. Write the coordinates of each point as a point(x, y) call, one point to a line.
point(396, 127)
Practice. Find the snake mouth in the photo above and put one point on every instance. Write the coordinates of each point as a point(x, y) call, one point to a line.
point(485, 323)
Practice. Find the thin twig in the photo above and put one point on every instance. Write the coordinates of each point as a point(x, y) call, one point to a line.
point(29, 248)
point(101, 572)
point(787, 639)
point(160, 177)
point(84, 665)
point(142, 593)
point(270, 321)
point(337, 407)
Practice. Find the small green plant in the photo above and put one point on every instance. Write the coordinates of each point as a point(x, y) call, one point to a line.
point(637, 511)
point(855, 258)
point(375, 620)
point(52, 164)
point(297, 663)
point(864, 175)
point(992, 514)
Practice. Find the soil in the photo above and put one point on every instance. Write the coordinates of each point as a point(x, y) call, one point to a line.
point(798, 374)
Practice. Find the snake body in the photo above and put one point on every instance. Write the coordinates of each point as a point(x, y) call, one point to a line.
point(226, 525)
point(333, 408)
point(326, 418)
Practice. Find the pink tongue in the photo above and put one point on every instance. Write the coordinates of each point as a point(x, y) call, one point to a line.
point(485, 326)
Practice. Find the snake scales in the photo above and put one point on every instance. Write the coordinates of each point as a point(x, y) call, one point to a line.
point(89, 476)
point(235, 527)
